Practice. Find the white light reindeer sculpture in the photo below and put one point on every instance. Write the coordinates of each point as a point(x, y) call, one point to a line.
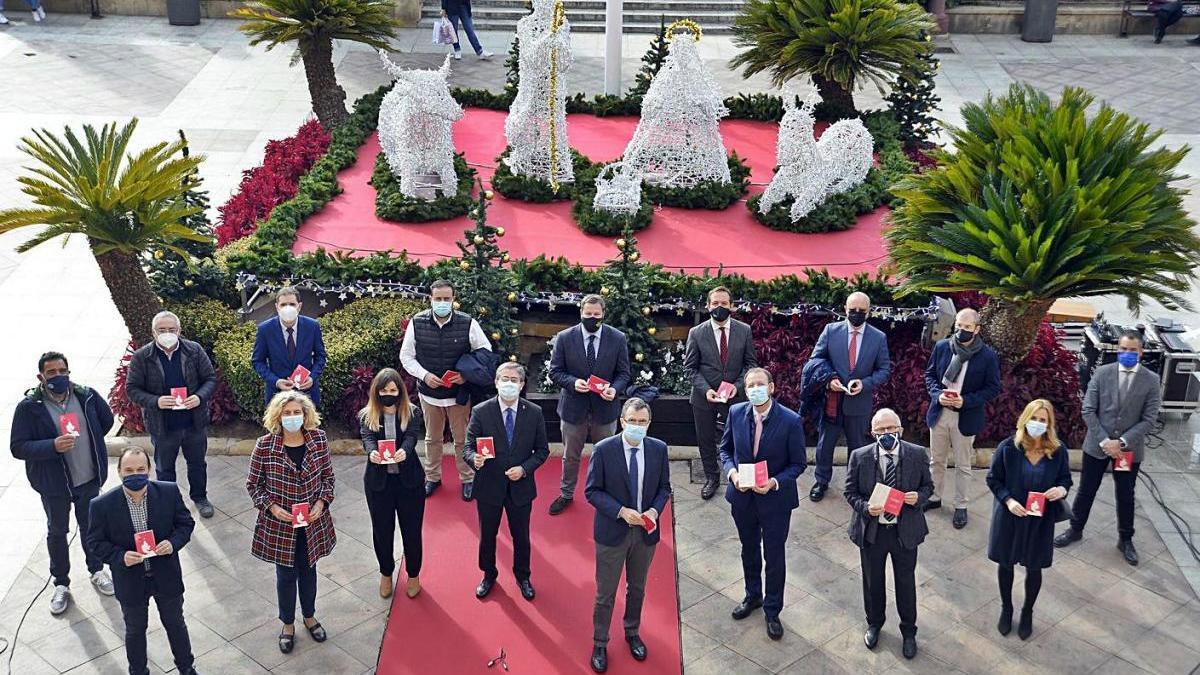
point(415, 121)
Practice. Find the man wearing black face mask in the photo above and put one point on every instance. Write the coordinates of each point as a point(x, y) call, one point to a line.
point(962, 375)
point(58, 430)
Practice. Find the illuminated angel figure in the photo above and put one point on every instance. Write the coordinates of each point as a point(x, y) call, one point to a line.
point(415, 121)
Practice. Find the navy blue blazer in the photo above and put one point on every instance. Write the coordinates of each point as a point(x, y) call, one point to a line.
point(872, 364)
point(608, 487)
point(270, 357)
point(110, 535)
point(568, 362)
point(981, 384)
point(781, 445)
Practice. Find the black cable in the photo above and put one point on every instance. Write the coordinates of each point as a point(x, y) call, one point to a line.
point(1177, 521)
point(24, 614)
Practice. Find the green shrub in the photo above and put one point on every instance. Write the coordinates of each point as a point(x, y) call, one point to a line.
point(205, 320)
point(709, 194)
point(392, 204)
point(592, 221)
point(232, 354)
point(535, 190)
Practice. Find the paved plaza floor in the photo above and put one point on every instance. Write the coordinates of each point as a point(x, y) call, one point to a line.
point(231, 99)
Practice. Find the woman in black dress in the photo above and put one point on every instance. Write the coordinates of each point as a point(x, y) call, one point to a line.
point(1031, 460)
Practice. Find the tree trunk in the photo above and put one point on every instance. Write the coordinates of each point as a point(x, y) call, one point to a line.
point(1011, 327)
point(838, 100)
point(131, 292)
point(328, 97)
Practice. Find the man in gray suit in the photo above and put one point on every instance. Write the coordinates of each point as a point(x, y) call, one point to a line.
point(718, 350)
point(1120, 408)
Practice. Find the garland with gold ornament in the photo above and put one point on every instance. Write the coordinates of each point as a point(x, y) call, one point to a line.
point(560, 15)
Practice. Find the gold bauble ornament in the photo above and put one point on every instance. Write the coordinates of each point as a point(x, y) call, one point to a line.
point(652, 330)
point(483, 311)
point(634, 256)
point(489, 195)
point(620, 243)
point(499, 231)
point(188, 283)
point(504, 258)
point(512, 357)
point(604, 290)
point(473, 213)
point(512, 296)
point(639, 357)
point(456, 305)
point(646, 311)
point(496, 335)
point(158, 255)
point(478, 239)
point(464, 265)
point(512, 331)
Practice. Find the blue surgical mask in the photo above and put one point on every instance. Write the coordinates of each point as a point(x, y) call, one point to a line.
point(135, 481)
point(887, 441)
point(1035, 428)
point(1127, 359)
point(442, 308)
point(508, 390)
point(758, 395)
point(292, 422)
point(59, 384)
point(634, 433)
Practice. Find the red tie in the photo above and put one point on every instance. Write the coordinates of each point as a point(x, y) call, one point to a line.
point(724, 346)
point(853, 348)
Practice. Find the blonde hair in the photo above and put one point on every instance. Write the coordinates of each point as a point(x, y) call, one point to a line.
point(373, 411)
point(1048, 443)
point(271, 418)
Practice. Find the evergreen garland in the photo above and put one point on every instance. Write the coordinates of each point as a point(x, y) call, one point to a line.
point(529, 189)
point(627, 293)
point(392, 204)
point(912, 101)
point(483, 287)
point(707, 194)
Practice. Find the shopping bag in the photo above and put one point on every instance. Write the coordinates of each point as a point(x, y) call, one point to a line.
point(443, 32)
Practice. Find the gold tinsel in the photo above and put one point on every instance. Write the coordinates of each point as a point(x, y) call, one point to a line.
point(684, 24)
point(560, 15)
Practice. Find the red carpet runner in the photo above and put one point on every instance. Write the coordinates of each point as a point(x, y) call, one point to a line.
point(446, 631)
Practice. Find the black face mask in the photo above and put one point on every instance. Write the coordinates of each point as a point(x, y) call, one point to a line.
point(964, 336)
point(591, 323)
point(719, 313)
point(389, 400)
point(857, 317)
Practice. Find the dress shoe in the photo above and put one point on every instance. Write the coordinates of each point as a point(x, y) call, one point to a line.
point(526, 589)
point(413, 588)
point(1070, 536)
point(636, 647)
point(468, 491)
point(205, 508)
point(1004, 625)
point(559, 505)
point(431, 486)
point(484, 587)
point(960, 519)
point(909, 649)
point(599, 659)
point(385, 587)
point(1159, 32)
point(1126, 547)
point(817, 493)
point(1194, 41)
point(1025, 627)
point(932, 504)
point(710, 488)
point(774, 628)
point(871, 637)
point(746, 608)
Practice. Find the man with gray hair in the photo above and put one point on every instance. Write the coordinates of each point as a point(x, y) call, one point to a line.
point(172, 379)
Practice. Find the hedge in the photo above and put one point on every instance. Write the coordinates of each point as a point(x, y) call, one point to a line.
point(392, 204)
point(528, 189)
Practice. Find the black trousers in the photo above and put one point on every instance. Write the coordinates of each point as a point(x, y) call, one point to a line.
point(407, 505)
point(1090, 478)
point(194, 444)
point(518, 527)
point(855, 427)
point(58, 523)
point(763, 535)
point(299, 579)
point(1167, 14)
point(874, 577)
point(709, 422)
point(170, 612)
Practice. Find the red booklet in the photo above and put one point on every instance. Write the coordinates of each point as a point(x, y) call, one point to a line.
point(1035, 504)
point(597, 384)
point(753, 474)
point(486, 447)
point(299, 375)
point(891, 499)
point(448, 376)
point(300, 515)
point(387, 451)
point(68, 424)
point(648, 523)
point(725, 392)
point(179, 394)
point(144, 544)
point(1124, 462)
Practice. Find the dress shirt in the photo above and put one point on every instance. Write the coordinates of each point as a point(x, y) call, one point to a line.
point(1121, 370)
point(295, 333)
point(587, 336)
point(641, 448)
point(139, 516)
point(850, 332)
point(408, 356)
point(728, 326)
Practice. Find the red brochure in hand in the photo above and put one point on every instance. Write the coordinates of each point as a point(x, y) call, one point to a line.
point(300, 515)
point(144, 544)
point(1124, 462)
point(725, 392)
point(486, 447)
point(387, 451)
point(180, 395)
point(68, 424)
point(648, 523)
point(448, 377)
point(753, 474)
point(299, 375)
point(1035, 504)
point(597, 385)
point(891, 499)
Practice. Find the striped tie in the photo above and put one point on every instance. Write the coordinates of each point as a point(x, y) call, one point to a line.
point(889, 478)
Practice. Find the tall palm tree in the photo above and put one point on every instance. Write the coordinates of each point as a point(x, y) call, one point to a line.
point(125, 204)
point(839, 43)
point(313, 25)
point(1040, 201)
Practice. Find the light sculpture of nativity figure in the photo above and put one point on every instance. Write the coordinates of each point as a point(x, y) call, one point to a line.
point(415, 122)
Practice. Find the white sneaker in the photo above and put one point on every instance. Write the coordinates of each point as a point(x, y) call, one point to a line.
point(41, 10)
point(3, 19)
point(486, 55)
point(458, 56)
point(36, 17)
point(103, 582)
point(60, 600)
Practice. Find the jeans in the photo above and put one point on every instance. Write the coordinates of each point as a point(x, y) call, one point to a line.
point(170, 611)
point(58, 515)
point(34, 4)
point(464, 16)
point(194, 443)
point(300, 577)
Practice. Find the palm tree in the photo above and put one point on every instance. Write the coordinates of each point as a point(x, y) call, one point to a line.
point(839, 43)
point(125, 204)
point(313, 25)
point(1038, 201)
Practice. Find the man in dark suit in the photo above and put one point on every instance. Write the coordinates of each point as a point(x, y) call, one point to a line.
point(155, 370)
point(628, 480)
point(962, 375)
point(718, 350)
point(116, 517)
point(1120, 407)
point(905, 467)
point(589, 348)
point(504, 484)
point(859, 353)
point(763, 430)
point(287, 341)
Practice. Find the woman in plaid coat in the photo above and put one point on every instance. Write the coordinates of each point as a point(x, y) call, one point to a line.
point(291, 465)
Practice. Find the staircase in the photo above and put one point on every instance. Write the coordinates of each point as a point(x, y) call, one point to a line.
point(587, 16)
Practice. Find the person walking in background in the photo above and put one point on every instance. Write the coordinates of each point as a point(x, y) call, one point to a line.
point(58, 430)
point(581, 352)
point(1033, 461)
point(119, 519)
point(393, 485)
point(1166, 13)
point(433, 343)
point(858, 352)
point(459, 14)
point(291, 482)
point(962, 375)
point(157, 371)
point(285, 342)
point(35, 9)
point(1120, 407)
point(720, 350)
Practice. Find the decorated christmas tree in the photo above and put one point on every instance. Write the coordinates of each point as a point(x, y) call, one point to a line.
point(626, 292)
point(652, 62)
point(912, 100)
point(483, 287)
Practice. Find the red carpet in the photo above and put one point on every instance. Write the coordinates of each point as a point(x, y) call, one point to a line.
point(677, 238)
point(446, 631)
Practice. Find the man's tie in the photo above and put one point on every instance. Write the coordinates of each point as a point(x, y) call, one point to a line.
point(724, 346)
point(633, 479)
point(853, 348)
point(510, 423)
point(291, 343)
point(591, 355)
point(1126, 380)
point(889, 477)
point(758, 424)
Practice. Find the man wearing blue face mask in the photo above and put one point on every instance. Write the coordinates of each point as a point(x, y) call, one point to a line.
point(1120, 408)
point(58, 430)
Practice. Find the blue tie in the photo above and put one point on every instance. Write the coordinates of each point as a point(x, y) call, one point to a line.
point(633, 478)
point(509, 423)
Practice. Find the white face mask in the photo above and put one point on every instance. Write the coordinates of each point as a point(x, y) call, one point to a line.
point(289, 313)
point(508, 390)
point(1035, 428)
point(167, 340)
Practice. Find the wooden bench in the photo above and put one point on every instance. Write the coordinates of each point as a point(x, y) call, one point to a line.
point(1131, 9)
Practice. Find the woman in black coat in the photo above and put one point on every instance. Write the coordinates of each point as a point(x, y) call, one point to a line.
point(395, 489)
point(1031, 460)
